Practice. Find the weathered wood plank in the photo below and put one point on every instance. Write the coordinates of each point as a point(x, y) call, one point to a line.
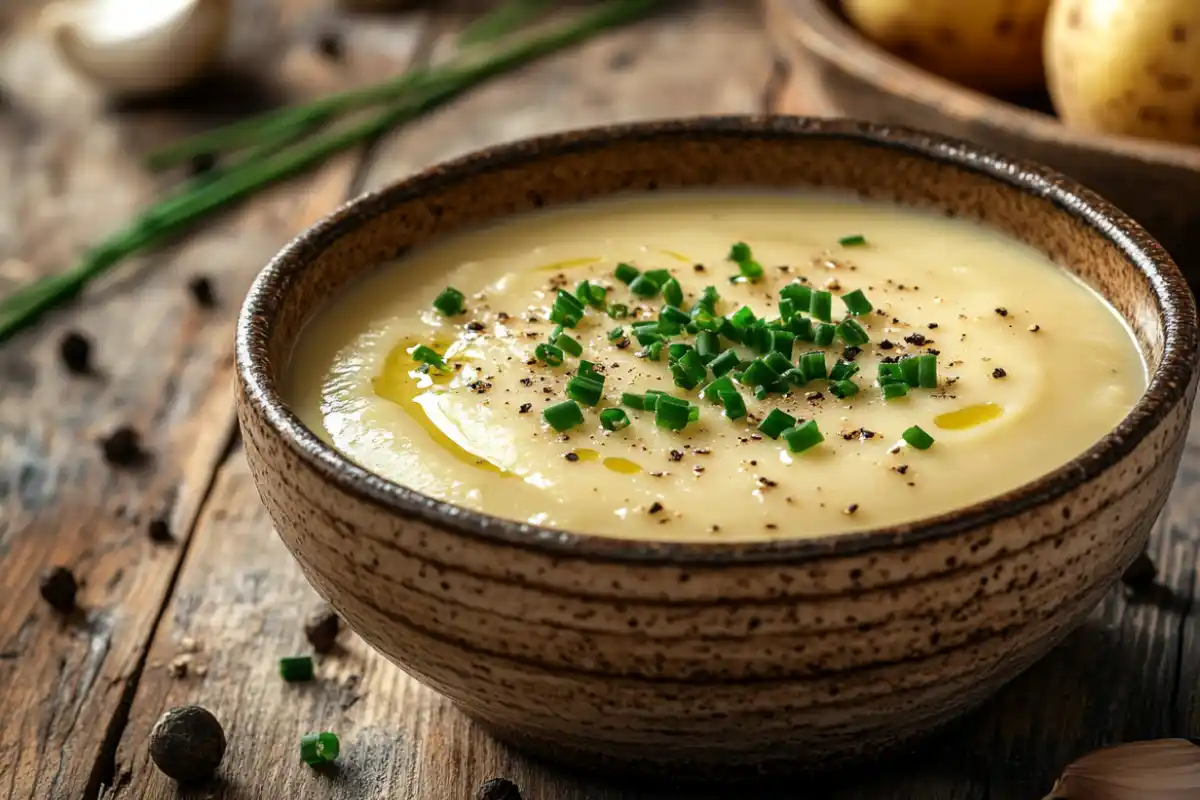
point(243, 598)
point(70, 167)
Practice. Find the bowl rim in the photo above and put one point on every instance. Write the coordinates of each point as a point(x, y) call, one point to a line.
point(1169, 383)
point(835, 41)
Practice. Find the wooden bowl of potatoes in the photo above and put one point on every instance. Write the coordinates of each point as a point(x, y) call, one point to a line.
point(1106, 92)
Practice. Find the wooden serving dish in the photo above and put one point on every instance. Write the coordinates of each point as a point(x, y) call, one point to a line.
point(1156, 183)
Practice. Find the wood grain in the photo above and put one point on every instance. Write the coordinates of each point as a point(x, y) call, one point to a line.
point(70, 164)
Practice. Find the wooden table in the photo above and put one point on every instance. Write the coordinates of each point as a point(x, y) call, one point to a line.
point(77, 699)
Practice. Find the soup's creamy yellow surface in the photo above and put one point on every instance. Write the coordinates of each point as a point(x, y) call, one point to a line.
point(1032, 368)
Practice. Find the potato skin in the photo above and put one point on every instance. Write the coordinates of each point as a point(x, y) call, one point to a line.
point(991, 45)
point(1128, 68)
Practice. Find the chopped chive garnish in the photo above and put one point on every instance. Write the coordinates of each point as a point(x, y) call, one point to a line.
point(449, 302)
point(591, 294)
point(776, 423)
point(319, 748)
point(857, 240)
point(735, 406)
point(724, 363)
point(643, 286)
point(843, 370)
point(762, 392)
point(427, 355)
point(677, 350)
point(654, 351)
point(669, 327)
point(800, 294)
point(296, 668)
point(892, 391)
point(671, 413)
point(616, 333)
point(803, 436)
point(758, 373)
point(743, 318)
point(567, 310)
point(585, 390)
point(787, 309)
point(658, 277)
point(910, 367)
point(750, 269)
point(672, 292)
point(618, 311)
point(843, 389)
point(569, 344)
point(730, 331)
point(626, 273)
point(650, 400)
point(705, 321)
point(821, 306)
point(795, 376)
point(759, 337)
point(674, 314)
point(634, 401)
point(927, 370)
point(852, 333)
point(784, 341)
point(802, 327)
point(712, 392)
point(824, 334)
point(857, 303)
point(613, 419)
point(708, 346)
point(777, 361)
point(917, 438)
point(813, 365)
point(554, 334)
point(562, 416)
point(682, 378)
point(588, 370)
point(694, 365)
point(583, 291)
point(889, 373)
point(693, 413)
point(549, 353)
point(647, 335)
point(708, 299)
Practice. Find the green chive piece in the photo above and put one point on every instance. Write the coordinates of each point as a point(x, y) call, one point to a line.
point(643, 286)
point(799, 293)
point(723, 363)
point(802, 327)
point(787, 309)
point(450, 302)
point(563, 416)
point(583, 291)
point(795, 376)
point(708, 299)
point(588, 370)
point(917, 438)
point(549, 353)
point(319, 748)
point(842, 370)
point(591, 295)
point(613, 419)
point(802, 437)
point(682, 377)
point(585, 390)
point(671, 413)
point(674, 314)
point(852, 333)
point(651, 398)
point(634, 401)
point(427, 355)
point(694, 365)
point(750, 269)
point(824, 334)
point(616, 333)
point(672, 292)
point(730, 331)
point(889, 373)
point(708, 346)
point(927, 370)
point(569, 344)
point(618, 311)
point(705, 321)
point(911, 368)
point(658, 276)
point(777, 361)
point(294, 669)
point(813, 365)
point(843, 389)
point(677, 350)
point(712, 392)
point(762, 392)
point(626, 273)
point(693, 413)
point(735, 406)
point(776, 423)
point(758, 373)
point(857, 303)
point(743, 318)
point(566, 310)
point(647, 335)
point(821, 306)
point(857, 240)
point(654, 351)
point(893, 391)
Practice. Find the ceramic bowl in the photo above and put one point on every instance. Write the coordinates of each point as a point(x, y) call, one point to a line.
point(698, 659)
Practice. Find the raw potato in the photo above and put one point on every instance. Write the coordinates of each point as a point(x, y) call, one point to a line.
point(1129, 68)
point(992, 45)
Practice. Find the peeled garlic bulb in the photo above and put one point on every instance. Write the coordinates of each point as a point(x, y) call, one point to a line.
point(1160, 769)
point(130, 47)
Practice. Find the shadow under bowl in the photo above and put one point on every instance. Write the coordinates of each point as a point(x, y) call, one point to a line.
point(697, 660)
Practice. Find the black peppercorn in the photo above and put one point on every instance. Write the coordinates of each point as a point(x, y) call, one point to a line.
point(201, 289)
point(159, 530)
point(58, 588)
point(187, 744)
point(75, 349)
point(321, 629)
point(123, 447)
point(330, 45)
point(1141, 572)
point(202, 163)
point(498, 789)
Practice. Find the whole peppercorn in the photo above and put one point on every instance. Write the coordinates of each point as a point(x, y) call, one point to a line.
point(187, 744)
point(498, 789)
point(321, 629)
point(75, 350)
point(203, 294)
point(123, 447)
point(58, 588)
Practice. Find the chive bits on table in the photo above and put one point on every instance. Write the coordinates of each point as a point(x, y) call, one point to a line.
point(917, 437)
point(296, 669)
point(319, 748)
point(450, 302)
point(803, 437)
point(613, 419)
point(563, 416)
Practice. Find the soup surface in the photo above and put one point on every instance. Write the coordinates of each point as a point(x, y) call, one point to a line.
point(1007, 362)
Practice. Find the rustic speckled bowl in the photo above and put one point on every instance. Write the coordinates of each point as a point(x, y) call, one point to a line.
point(697, 659)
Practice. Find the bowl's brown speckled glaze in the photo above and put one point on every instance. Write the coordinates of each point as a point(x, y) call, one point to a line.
point(695, 659)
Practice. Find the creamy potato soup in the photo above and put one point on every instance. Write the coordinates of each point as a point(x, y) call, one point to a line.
point(714, 367)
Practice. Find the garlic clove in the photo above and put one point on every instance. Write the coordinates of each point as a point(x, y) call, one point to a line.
point(131, 47)
point(1161, 769)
